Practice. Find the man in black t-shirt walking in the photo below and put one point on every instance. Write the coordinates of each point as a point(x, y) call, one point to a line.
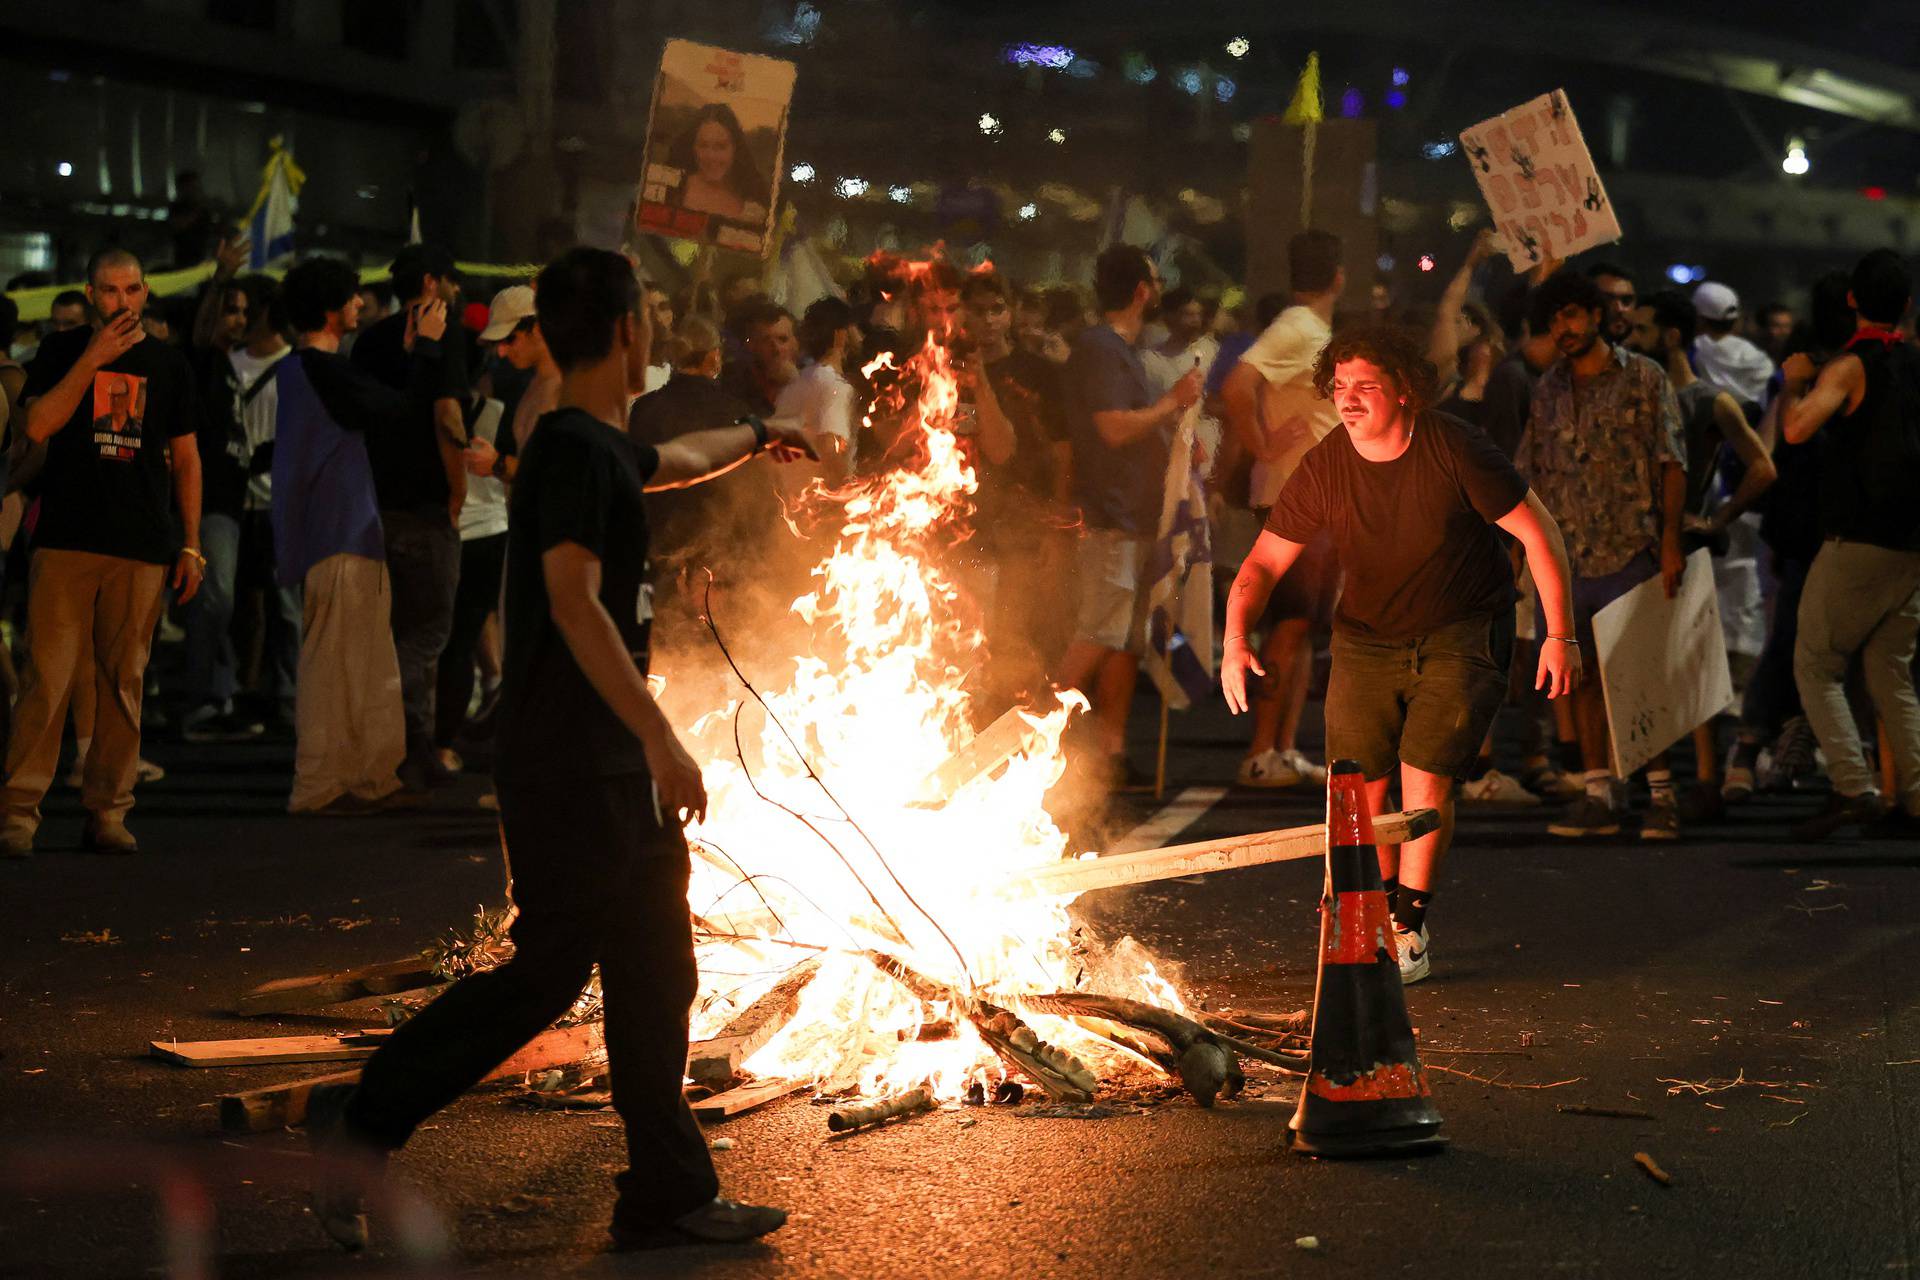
point(1423, 634)
point(594, 788)
point(117, 415)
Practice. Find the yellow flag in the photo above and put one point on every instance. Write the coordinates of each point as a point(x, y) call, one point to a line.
point(1307, 106)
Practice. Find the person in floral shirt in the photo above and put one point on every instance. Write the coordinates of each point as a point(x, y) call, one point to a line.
point(1603, 450)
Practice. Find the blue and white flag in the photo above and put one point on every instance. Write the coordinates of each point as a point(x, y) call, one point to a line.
point(1179, 652)
point(270, 223)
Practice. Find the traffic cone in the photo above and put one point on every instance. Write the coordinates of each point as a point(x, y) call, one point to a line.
point(1365, 1093)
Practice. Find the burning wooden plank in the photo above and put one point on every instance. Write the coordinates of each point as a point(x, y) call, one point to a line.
point(285, 994)
point(1066, 879)
point(713, 1062)
point(724, 1106)
point(992, 747)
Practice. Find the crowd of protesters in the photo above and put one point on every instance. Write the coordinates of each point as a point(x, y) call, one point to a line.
point(305, 482)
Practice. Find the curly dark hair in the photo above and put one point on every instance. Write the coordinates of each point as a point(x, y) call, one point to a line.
point(1398, 352)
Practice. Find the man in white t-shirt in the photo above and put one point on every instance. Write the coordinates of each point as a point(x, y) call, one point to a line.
point(258, 406)
point(1186, 346)
point(1277, 415)
point(820, 401)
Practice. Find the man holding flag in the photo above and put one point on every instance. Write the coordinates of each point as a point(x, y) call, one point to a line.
point(1122, 437)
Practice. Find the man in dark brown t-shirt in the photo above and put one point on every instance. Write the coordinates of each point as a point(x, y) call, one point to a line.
point(1423, 634)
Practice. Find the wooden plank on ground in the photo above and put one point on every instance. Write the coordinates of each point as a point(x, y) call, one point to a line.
point(1087, 874)
point(285, 1105)
point(713, 1062)
point(285, 994)
point(280, 1106)
point(246, 1053)
point(723, 1106)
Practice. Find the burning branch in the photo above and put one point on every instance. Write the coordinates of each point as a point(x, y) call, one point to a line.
point(847, 1119)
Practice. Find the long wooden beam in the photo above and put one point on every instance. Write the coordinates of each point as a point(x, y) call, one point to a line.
point(1065, 879)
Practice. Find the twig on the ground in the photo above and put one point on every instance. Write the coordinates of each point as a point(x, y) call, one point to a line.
point(1652, 1168)
point(1477, 1053)
point(1604, 1113)
point(1501, 1084)
point(1720, 1084)
point(1786, 1124)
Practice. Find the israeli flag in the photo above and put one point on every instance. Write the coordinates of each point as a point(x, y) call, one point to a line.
point(270, 224)
point(1179, 648)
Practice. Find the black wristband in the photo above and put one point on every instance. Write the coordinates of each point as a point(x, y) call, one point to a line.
point(760, 435)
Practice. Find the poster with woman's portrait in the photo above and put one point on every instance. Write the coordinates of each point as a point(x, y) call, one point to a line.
point(714, 143)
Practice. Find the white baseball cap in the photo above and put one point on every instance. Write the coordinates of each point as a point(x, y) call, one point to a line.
point(1714, 301)
point(510, 306)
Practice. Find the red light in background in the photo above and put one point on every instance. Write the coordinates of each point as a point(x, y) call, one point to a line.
point(1874, 193)
point(1426, 262)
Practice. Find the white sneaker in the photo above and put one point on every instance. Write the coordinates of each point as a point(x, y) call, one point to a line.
point(1297, 761)
point(1738, 785)
point(1416, 960)
point(1269, 769)
point(1495, 787)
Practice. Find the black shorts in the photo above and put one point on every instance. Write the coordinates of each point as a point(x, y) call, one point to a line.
point(1427, 701)
point(1307, 591)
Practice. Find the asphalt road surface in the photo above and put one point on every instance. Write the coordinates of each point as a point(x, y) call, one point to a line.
point(1751, 996)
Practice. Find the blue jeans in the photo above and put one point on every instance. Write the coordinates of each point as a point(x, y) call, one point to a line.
point(210, 659)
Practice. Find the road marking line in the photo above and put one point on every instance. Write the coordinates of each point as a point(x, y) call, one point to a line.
point(1171, 819)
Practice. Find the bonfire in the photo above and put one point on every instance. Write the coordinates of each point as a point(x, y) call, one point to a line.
point(864, 849)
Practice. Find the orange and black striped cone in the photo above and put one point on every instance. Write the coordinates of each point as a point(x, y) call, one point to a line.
point(1365, 1093)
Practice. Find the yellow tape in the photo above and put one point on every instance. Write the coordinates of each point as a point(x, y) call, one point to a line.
point(36, 304)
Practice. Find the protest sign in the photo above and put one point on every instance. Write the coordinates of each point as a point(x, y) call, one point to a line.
point(1663, 664)
point(715, 142)
point(1539, 181)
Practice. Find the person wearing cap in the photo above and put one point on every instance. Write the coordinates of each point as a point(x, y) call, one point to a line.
point(420, 478)
point(1724, 360)
point(483, 533)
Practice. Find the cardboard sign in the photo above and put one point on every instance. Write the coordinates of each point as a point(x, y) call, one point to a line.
point(1663, 664)
point(1539, 182)
point(715, 145)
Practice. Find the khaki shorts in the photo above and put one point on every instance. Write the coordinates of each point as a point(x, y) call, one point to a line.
point(1111, 566)
point(1427, 701)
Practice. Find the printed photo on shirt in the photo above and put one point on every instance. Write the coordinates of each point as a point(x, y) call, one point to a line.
point(119, 407)
point(714, 146)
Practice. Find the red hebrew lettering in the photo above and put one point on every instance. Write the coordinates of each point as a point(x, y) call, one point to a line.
point(1526, 134)
point(1502, 192)
point(1529, 188)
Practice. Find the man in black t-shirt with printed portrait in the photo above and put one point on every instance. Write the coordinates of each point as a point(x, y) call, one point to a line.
point(594, 789)
point(117, 413)
point(1423, 633)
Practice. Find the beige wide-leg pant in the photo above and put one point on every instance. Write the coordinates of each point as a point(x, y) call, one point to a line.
point(350, 731)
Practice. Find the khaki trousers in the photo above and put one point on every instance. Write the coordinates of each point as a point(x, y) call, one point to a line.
point(77, 600)
point(350, 732)
point(1861, 599)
